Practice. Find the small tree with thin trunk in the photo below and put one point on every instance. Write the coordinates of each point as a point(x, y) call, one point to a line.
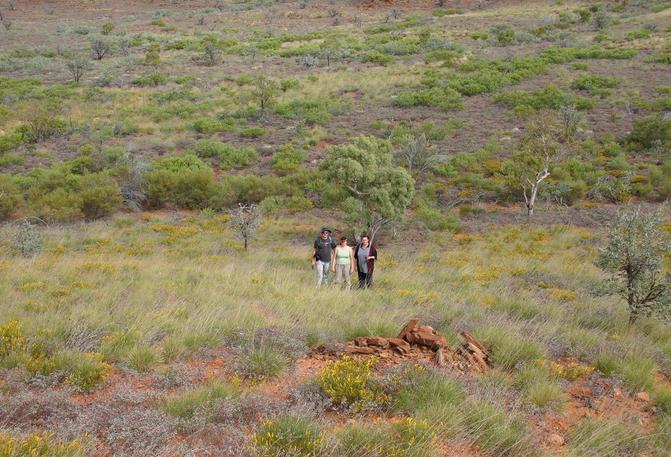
point(542, 146)
point(634, 257)
point(330, 49)
point(265, 90)
point(245, 220)
point(77, 66)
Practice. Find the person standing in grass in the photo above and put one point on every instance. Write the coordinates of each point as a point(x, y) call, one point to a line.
point(343, 267)
point(321, 258)
point(365, 255)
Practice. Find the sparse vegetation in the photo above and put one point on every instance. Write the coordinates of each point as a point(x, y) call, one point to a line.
point(143, 150)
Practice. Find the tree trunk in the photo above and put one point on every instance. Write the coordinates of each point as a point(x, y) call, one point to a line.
point(532, 200)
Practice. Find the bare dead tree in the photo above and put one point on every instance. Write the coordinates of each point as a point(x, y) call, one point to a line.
point(100, 48)
point(245, 220)
point(570, 119)
point(416, 155)
point(77, 65)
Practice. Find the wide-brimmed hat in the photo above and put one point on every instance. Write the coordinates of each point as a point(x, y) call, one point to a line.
point(325, 229)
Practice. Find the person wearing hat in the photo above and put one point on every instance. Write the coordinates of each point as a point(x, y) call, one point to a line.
point(321, 258)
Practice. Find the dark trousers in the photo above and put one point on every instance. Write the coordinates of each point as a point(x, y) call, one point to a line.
point(365, 280)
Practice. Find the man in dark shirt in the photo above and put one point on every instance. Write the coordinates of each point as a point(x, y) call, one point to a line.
point(321, 259)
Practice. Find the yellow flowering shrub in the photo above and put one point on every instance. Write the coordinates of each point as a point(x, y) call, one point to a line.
point(176, 231)
point(571, 371)
point(12, 338)
point(288, 436)
point(30, 286)
point(487, 275)
point(349, 382)
point(562, 294)
point(102, 267)
point(42, 445)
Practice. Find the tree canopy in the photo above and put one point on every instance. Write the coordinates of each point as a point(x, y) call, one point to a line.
point(378, 191)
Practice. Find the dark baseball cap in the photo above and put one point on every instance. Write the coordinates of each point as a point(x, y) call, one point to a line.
point(325, 229)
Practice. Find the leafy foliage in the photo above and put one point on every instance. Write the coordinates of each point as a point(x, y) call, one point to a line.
point(378, 192)
point(634, 255)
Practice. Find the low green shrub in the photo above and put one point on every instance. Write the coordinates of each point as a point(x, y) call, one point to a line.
point(504, 34)
point(662, 57)
point(436, 220)
point(605, 438)
point(40, 127)
point(494, 430)
point(210, 125)
point(142, 358)
point(660, 179)
point(650, 131)
point(549, 97)
point(595, 84)
point(87, 371)
point(261, 363)
point(416, 389)
point(186, 405)
point(558, 55)
point(639, 34)
point(288, 436)
point(405, 437)
point(661, 399)
point(445, 98)
point(287, 159)
point(376, 57)
point(100, 196)
point(253, 189)
point(441, 12)
point(253, 132)
point(294, 204)
point(229, 156)
point(287, 84)
point(311, 111)
point(638, 373)
point(155, 79)
point(184, 181)
point(12, 199)
point(11, 141)
point(509, 350)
